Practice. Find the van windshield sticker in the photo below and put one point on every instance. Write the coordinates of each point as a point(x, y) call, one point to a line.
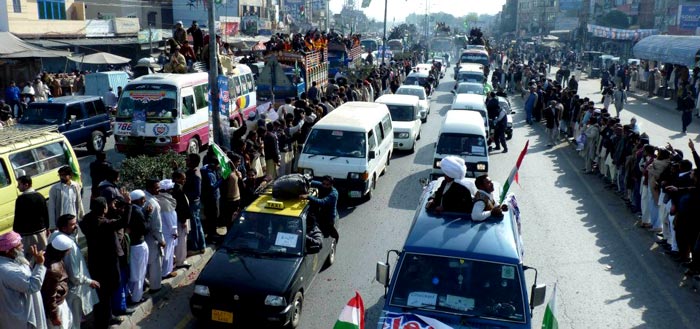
point(477, 149)
point(337, 133)
point(421, 298)
point(507, 272)
point(147, 95)
point(286, 240)
point(458, 303)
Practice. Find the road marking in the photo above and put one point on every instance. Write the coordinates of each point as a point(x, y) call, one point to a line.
point(625, 239)
point(185, 321)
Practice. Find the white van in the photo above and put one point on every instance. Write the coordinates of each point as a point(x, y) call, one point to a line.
point(462, 135)
point(475, 103)
point(353, 144)
point(406, 119)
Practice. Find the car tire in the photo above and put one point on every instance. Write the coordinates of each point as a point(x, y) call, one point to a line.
point(424, 120)
point(193, 146)
point(297, 305)
point(413, 148)
point(372, 186)
point(509, 136)
point(97, 141)
point(418, 137)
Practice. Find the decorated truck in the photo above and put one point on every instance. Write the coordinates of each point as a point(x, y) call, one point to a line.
point(289, 74)
point(341, 58)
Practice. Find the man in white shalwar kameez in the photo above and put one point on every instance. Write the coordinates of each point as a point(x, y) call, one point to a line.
point(138, 255)
point(169, 217)
point(154, 237)
point(21, 305)
point(81, 294)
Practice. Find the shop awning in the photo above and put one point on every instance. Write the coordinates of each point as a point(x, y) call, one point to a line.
point(674, 49)
point(14, 47)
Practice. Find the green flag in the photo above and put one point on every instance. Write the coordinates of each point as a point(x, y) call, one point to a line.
point(223, 160)
point(71, 161)
point(550, 314)
point(365, 3)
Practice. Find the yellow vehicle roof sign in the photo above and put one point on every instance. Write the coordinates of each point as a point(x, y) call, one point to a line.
point(268, 205)
point(274, 204)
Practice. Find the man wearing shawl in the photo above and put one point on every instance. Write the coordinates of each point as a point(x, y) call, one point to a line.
point(20, 285)
point(154, 238)
point(455, 192)
point(169, 224)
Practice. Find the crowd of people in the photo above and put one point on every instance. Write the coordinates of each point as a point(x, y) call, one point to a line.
point(659, 183)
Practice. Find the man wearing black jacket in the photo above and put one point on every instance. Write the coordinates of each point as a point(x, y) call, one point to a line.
point(31, 216)
point(184, 214)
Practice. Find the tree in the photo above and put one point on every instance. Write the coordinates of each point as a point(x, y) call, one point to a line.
point(615, 19)
point(401, 31)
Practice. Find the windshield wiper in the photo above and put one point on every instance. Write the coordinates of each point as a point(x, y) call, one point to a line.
point(312, 155)
point(334, 157)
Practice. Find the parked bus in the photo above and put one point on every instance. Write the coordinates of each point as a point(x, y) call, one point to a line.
point(242, 92)
point(162, 112)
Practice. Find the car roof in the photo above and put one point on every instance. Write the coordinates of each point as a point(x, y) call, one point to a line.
point(469, 100)
point(466, 122)
point(266, 204)
point(398, 99)
point(411, 87)
point(19, 137)
point(456, 235)
point(362, 115)
point(69, 99)
point(420, 74)
point(477, 84)
point(471, 69)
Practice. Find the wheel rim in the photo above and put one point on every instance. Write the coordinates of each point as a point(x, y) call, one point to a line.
point(193, 148)
point(297, 311)
point(332, 255)
point(97, 142)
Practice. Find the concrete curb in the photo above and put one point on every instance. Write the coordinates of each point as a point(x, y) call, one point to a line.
point(143, 310)
point(666, 104)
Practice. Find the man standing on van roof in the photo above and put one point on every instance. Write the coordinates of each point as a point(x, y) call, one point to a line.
point(31, 216)
point(454, 194)
point(484, 204)
point(64, 197)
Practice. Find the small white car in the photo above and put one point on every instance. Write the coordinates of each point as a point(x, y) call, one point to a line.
point(406, 119)
point(424, 100)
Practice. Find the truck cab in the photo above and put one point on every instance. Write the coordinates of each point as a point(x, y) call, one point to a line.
point(462, 273)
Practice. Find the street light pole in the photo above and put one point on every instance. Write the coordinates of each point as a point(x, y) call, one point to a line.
point(386, 4)
point(213, 74)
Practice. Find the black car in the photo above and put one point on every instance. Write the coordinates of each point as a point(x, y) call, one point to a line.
point(259, 275)
point(84, 120)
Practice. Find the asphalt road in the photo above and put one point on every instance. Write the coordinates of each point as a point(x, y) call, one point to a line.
point(609, 274)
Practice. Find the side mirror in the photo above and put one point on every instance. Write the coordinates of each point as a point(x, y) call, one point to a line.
point(537, 294)
point(372, 155)
point(382, 274)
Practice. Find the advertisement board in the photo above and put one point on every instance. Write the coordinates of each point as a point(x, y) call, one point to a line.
point(689, 17)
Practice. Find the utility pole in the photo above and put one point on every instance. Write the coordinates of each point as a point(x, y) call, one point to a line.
point(213, 75)
point(386, 4)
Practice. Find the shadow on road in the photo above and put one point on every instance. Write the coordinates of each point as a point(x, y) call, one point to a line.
point(407, 191)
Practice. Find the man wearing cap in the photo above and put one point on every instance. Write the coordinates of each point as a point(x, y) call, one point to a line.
point(20, 285)
point(64, 197)
point(31, 215)
point(82, 295)
point(138, 256)
point(154, 237)
point(169, 224)
point(454, 193)
point(54, 290)
point(180, 34)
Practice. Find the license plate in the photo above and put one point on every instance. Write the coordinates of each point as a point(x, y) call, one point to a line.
point(221, 316)
point(355, 194)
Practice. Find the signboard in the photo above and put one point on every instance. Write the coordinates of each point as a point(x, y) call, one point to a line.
point(156, 36)
point(570, 4)
point(230, 25)
point(99, 28)
point(620, 34)
point(125, 25)
point(689, 17)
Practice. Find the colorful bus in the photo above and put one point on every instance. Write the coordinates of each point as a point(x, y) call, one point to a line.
point(161, 112)
point(242, 93)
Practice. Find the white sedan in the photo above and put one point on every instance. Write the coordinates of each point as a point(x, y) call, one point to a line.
point(420, 92)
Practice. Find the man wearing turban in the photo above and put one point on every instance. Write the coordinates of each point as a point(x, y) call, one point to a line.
point(21, 305)
point(455, 192)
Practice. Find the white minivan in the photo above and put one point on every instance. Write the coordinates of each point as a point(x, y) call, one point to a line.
point(462, 134)
point(353, 144)
point(475, 103)
point(406, 119)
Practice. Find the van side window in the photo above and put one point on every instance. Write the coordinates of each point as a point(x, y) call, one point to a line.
point(4, 177)
point(75, 109)
point(380, 133)
point(386, 124)
point(371, 142)
point(233, 88)
point(244, 84)
point(23, 163)
point(251, 82)
point(187, 105)
point(200, 96)
point(50, 157)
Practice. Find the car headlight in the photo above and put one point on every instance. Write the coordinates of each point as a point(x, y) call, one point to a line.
point(272, 300)
point(437, 163)
point(402, 135)
point(307, 171)
point(201, 290)
point(358, 175)
point(481, 167)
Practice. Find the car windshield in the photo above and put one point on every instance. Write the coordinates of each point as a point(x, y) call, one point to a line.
point(336, 143)
point(474, 58)
point(402, 112)
point(461, 144)
point(148, 101)
point(42, 114)
point(470, 77)
point(263, 233)
point(470, 88)
point(413, 80)
point(412, 91)
point(459, 286)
